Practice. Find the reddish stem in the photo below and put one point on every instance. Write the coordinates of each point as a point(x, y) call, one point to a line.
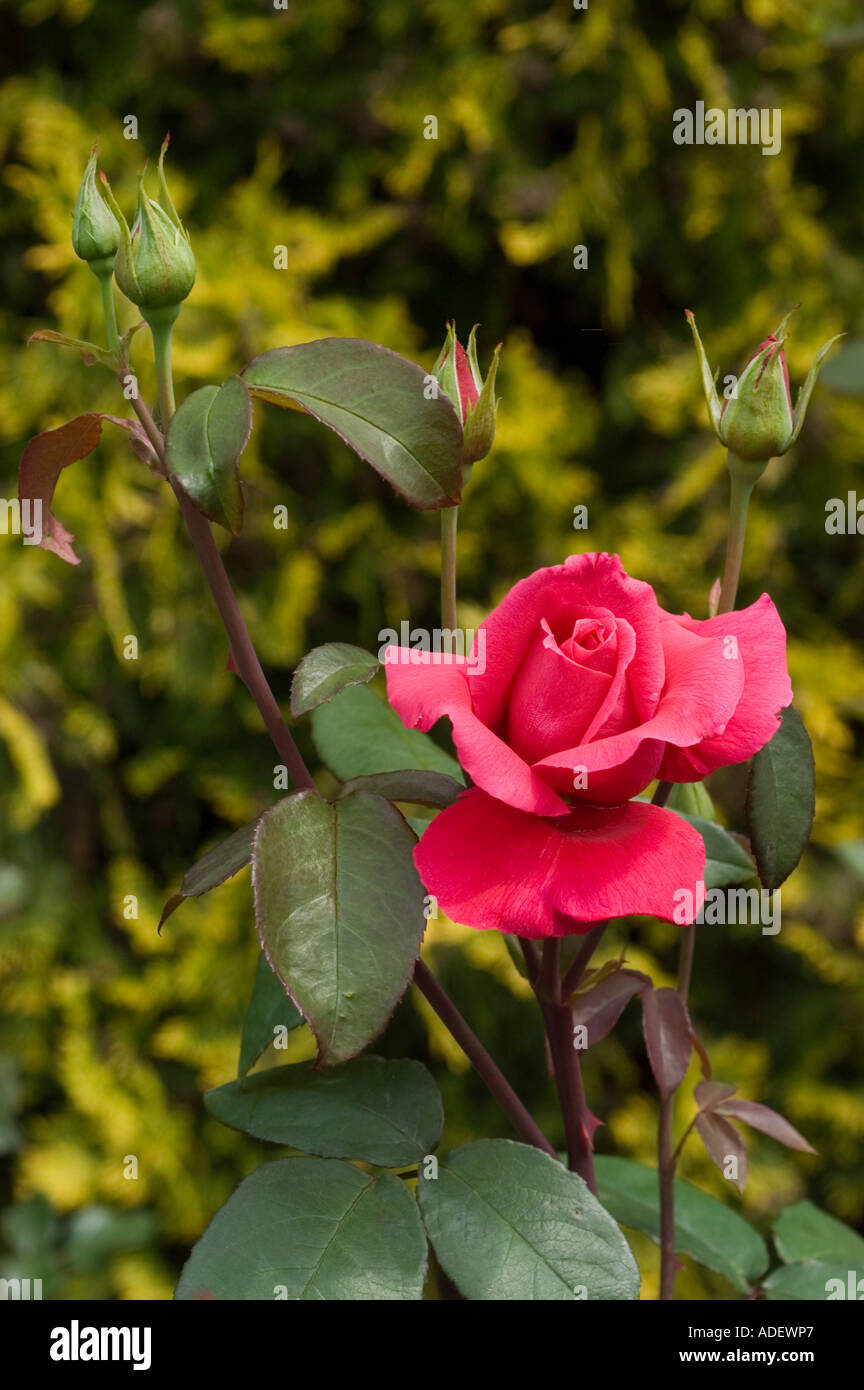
point(558, 1017)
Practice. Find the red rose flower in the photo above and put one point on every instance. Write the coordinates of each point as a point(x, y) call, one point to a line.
point(579, 691)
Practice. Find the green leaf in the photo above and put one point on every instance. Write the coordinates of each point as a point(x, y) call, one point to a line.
point(269, 1008)
point(205, 440)
point(387, 1113)
point(218, 864)
point(712, 1233)
point(803, 1232)
point(781, 800)
point(377, 402)
point(727, 862)
point(509, 1222)
point(412, 785)
point(358, 735)
point(339, 910)
point(325, 671)
point(309, 1230)
point(813, 1281)
point(418, 825)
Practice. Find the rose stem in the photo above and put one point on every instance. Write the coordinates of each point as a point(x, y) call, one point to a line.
point(479, 1057)
point(244, 654)
point(250, 670)
point(242, 649)
point(580, 961)
point(106, 289)
point(666, 1171)
point(532, 957)
point(161, 334)
point(558, 1018)
point(449, 524)
point(739, 502)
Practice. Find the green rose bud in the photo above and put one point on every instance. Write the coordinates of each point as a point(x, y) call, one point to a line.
point(757, 420)
point(95, 229)
point(473, 398)
point(155, 267)
point(757, 423)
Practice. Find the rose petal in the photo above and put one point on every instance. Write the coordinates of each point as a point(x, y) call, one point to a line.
point(422, 686)
point(490, 866)
point(468, 393)
point(761, 641)
point(703, 688)
point(557, 701)
point(561, 594)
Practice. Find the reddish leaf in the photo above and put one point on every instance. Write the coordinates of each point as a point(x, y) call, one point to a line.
point(600, 1008)
point(709, 1094)
point(762, 1117)
point(667, 1029)
point(42, 462)
point(90, 352)
point(723, 1142)
point(140, 444)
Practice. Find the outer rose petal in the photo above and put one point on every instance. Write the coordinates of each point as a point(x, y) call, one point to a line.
point(421, 688)
point(761, 639)
point(703, 690)
point(490, 866)
point(559, 594)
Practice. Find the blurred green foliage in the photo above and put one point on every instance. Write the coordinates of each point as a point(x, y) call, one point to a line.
point(305, 127)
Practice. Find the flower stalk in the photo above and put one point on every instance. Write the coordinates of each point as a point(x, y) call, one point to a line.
point(161, 329)
point(756, 424)
point(449, 528)
point(106, 289)
point(741, 489)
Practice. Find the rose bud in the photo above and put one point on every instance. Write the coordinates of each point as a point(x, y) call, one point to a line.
point(758, 423)
point(95, 229)
point(155, 267)
point(458, 373)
